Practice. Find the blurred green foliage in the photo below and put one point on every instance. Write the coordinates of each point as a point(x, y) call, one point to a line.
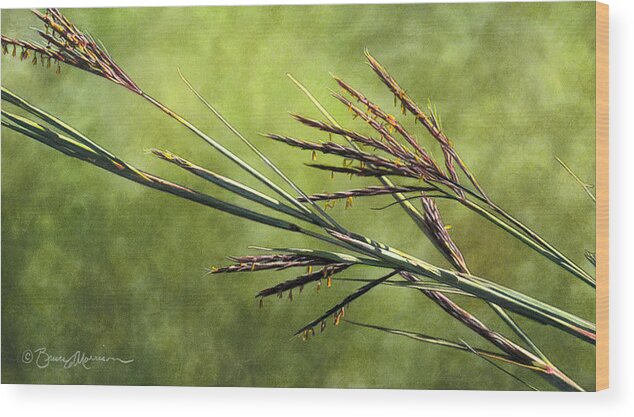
point(92, 262)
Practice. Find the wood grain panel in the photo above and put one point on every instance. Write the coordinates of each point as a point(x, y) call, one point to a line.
point(602, 190)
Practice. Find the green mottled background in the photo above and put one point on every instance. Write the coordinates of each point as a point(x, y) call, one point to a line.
point(92, 262)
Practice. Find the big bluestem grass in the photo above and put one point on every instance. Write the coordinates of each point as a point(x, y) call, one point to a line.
point(394, 153)
point(429, 221)
point(411, 161)
point(75, 144)
point(68, 45)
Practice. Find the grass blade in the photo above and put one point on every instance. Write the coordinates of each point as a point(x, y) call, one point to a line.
point(264, 158)
point(426, 286)
point(515, 377)
point(437, 341)
point(232, 185)
point(586, 187)
point(89, 153)
point(479, 287)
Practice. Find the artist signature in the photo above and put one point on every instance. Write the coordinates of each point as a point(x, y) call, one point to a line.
point(42, 359)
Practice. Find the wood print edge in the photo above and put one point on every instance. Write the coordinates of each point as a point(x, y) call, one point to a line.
point(602, 194)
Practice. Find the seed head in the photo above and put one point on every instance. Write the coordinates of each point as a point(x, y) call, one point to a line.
point(68, 44)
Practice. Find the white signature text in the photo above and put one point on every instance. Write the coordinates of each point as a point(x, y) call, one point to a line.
point(42, 359)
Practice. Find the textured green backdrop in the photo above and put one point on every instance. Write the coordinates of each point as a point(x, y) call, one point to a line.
point(92, 262)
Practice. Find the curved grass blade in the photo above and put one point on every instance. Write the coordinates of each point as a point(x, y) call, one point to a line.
point(10, 97)
point(92, 154)
point(437, 341)
point(520, 380)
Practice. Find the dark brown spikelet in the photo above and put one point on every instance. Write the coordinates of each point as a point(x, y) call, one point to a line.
point(440, 235)
point(362, 171)
point(266, 262)
point(338, 311)
point(379, 163)
point(370, 191)
point(325, 273)
point(67, 44)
